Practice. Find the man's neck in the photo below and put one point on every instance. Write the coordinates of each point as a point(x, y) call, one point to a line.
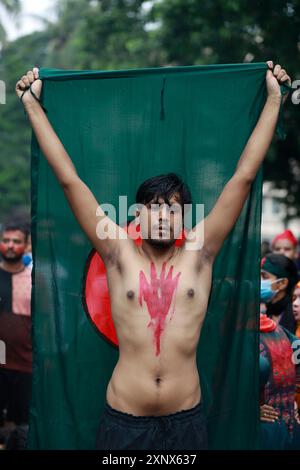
point(12, 267)
point(158, 254)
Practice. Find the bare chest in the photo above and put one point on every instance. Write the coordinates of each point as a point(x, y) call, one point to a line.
point(160, 288)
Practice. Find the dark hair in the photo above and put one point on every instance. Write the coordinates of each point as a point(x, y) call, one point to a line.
point(164, 186)
point(288, 266)
point(12, 226)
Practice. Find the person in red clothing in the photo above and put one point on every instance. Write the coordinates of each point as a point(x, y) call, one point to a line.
point(15, 328)
point(278, 379)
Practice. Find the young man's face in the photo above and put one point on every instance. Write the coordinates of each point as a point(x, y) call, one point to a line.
point(286, 248)
point(161, 223)
point(296, 304)
point(12, 245)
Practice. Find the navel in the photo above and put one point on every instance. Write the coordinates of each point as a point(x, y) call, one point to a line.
point(157, 380)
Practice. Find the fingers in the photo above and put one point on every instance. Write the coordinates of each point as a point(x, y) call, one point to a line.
point(21, 85)
point(36, 72)
point(272, 415)
point(276, 70)
point(279, 73)
point(30, 76)
point(268, 414)
point(26, 80)
point(283, 76)
point(267, 420)
point(269, 409)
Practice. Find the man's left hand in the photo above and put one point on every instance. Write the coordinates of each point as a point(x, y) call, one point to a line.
point(275, 77)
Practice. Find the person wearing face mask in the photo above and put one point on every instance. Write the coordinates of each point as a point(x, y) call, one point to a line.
point(278, 373)
point(278, 279)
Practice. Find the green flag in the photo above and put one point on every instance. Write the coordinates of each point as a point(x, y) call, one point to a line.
point(121, 127)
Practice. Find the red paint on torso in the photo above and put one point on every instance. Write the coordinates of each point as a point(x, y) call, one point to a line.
point(158, 295)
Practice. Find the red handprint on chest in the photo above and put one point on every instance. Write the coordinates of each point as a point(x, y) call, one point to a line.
point(158, 294)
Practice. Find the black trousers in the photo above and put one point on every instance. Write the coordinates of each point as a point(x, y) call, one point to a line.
point(15, 395)
point(183, 430)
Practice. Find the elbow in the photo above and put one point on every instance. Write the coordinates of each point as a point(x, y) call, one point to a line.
point(68, 183)
point(64, 184)
point(245, 179)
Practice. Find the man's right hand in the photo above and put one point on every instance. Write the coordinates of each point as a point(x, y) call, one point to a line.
point(30, 79)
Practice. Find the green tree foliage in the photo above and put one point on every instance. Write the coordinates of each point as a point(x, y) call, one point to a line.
point(12, 7)
point(14, 129)
point(101, 35)
point(228, 31)
point(116, 34)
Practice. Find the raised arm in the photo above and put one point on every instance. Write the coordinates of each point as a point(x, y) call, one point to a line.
point(82, 202)
point(220, 221)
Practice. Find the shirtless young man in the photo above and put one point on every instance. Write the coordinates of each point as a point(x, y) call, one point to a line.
point(154, 395)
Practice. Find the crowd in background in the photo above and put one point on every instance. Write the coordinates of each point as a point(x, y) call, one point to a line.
point(279, 333)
